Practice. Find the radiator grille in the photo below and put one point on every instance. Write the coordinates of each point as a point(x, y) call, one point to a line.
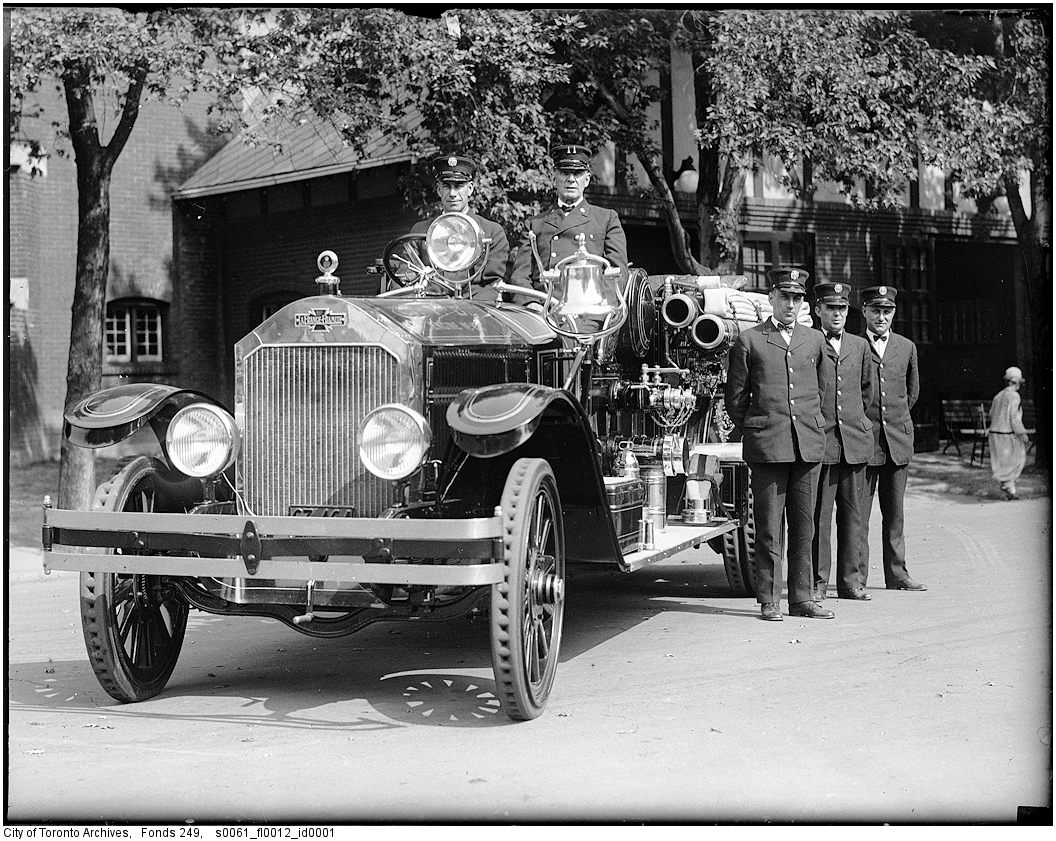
point(303, 407)
point(450, 370)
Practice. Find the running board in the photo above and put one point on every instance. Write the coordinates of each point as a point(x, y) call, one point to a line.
point(677, 537)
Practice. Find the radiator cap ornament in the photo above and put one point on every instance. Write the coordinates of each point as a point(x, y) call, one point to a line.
point(329, 283)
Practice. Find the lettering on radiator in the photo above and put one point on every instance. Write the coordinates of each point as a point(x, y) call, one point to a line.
point(320, 319)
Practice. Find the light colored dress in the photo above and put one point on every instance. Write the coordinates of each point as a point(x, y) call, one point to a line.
point(1008, 453)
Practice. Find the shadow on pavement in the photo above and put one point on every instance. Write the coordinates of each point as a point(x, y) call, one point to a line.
point(434, 674)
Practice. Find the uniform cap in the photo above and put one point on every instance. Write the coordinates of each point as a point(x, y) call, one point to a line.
point(1013, 373)
point(788, 280)
point(832, 293)
point(882, 296)
point(454, 168)
point(570, 156)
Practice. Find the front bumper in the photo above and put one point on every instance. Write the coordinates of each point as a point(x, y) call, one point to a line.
point(353, 550)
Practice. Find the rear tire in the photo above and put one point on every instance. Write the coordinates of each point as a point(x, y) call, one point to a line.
point(133, 624)
point(738, 552)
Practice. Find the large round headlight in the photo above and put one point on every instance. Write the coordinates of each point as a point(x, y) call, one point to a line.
point(393, 440)
point(202, 440)
point(454, 241)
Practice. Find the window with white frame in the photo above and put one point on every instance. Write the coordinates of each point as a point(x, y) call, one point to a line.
point(133, 331)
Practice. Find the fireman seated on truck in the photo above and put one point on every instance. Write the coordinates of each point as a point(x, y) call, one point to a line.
point(455, 183)
point(556, 228)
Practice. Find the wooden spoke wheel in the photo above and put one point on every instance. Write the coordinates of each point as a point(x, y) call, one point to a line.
point(133, 624)
point(527, 608)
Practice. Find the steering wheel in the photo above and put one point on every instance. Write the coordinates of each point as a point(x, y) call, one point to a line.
point(402, 260)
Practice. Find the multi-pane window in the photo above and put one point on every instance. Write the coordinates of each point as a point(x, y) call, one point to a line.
point(910, 268)
point(759, 254)
point(133, 331)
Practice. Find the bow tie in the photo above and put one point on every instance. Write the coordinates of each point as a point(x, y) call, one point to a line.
point(877, 338)
point(831, 335)
point(786, 328)
point(566, 207)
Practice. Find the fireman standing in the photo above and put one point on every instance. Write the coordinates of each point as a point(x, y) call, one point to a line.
point(777, 373)
point(848, 444)
point(894, 361)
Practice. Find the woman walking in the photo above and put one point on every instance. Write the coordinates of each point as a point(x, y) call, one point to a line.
point(1008, 438)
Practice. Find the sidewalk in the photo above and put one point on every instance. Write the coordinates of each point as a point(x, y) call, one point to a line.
point(950, 473)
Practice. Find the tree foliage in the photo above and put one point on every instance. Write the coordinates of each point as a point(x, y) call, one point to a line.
point(472, 81)
point(858, 94)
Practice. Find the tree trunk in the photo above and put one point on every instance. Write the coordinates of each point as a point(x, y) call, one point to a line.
point(681, 249)
point(718, 192)
point(85, 365)
point(95, 164)
point(678, 236)
point(1031, 232)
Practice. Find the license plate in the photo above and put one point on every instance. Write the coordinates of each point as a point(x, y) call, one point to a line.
point(322, 511)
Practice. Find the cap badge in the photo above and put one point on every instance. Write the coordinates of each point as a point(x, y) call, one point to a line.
point(452, 161)
point(882, 290)
point(838, 288)
point(793, 275)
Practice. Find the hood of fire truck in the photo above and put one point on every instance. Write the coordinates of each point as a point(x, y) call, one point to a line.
point(397, 324)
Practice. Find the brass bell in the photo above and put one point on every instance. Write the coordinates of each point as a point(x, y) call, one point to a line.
point(585, 288)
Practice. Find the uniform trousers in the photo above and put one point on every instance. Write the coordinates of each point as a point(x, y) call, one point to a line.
point(839, 485)
point(788, 488)
point(890, 479)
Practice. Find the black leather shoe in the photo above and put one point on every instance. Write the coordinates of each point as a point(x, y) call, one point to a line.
point(811, 610)
point(771, 612)
point(907, 584)
point(858, 595)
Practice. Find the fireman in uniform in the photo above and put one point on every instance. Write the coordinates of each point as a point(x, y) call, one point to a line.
point(455, 183)
point(571, 214)
point(894, 361)
point(777, 374)
point(848, 444)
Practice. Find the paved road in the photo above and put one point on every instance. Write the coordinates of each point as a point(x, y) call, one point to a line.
point(673, 702)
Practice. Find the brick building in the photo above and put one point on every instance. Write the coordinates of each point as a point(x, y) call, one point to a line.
point(165, 147)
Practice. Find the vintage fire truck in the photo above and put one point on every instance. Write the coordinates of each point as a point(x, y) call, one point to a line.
point(424, 453)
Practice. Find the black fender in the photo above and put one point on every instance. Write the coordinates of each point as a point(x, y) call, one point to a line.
point(498, 424)
point(113, 414)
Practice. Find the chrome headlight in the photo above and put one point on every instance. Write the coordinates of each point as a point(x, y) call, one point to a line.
point(202, 440)
point(454, 242)
point(393, 440)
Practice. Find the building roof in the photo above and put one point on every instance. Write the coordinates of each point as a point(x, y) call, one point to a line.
point(307, 148)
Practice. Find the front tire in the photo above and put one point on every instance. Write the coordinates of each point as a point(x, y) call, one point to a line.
point(527, 607)
point(133, 624)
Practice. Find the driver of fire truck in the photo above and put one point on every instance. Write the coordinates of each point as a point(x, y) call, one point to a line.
point(556, 228)
point(455, 184)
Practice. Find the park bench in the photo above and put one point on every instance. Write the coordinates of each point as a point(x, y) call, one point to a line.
point(964, 421)
point(969, 420)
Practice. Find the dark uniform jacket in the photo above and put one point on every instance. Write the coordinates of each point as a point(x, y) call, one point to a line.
point(495, 268)
point(556, 239)
point(773, 393)
point(848, 392)
point(895, 390)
